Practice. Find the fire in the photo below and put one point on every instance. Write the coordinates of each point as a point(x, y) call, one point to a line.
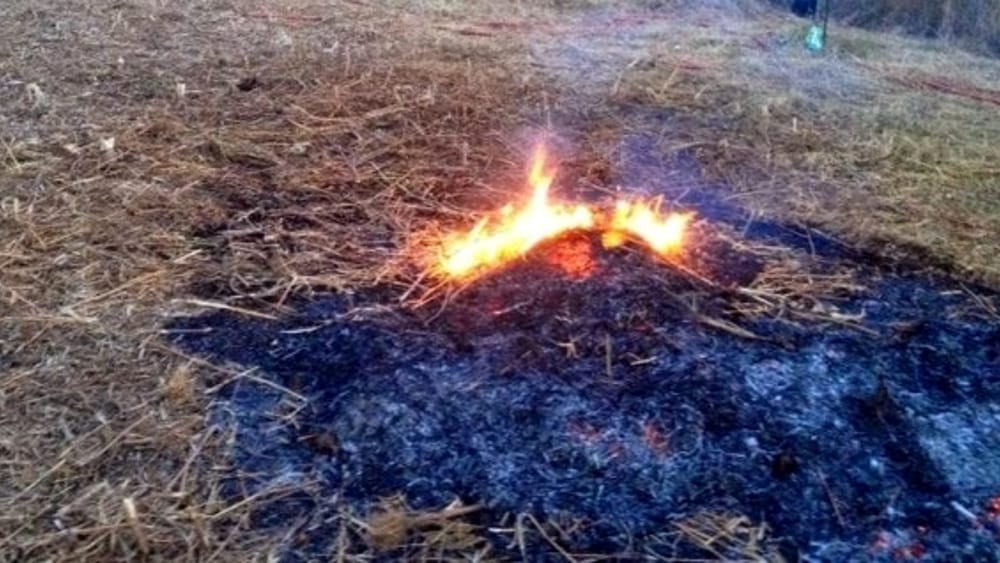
point(516, 230)
point(643, 221)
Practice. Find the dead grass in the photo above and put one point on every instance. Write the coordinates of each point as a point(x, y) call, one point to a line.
point(729, 538)
point(866, 148)
point(303, 169)
point(275, 149)
point(428, 535)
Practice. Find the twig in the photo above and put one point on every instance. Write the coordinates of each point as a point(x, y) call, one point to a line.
point(195, 452)
point(103, 449)
point(132, 516)
point(551, 542)
point(965, 512)
point(833, 499)
point(225, 307)
point(985, 305)
point(36, 482)
point(729, 327)
point(621, 75)
point(249, 500)
point(248, 374)
point(416, 283)
point(608, 368)
point(134, 281)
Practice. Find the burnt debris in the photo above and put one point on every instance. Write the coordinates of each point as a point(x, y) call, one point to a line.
point(604, 397)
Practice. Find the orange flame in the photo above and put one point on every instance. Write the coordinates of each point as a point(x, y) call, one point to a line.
point(517, 230)
point(665, 235)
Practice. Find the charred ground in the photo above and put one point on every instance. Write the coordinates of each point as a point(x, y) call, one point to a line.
point(606, 392)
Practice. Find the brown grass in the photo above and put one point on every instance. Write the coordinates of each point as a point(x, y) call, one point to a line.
point(852, 143)
point(433, 534)
point(729, 538)
point(974, 24)
point(274, 149)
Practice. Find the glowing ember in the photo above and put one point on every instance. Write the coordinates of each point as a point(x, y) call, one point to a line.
point(515, 231)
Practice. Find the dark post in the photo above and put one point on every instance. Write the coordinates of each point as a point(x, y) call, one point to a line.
point(805, 8)
point(826, 19)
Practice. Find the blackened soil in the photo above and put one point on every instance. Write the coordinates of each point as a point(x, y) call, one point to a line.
point(594, 392)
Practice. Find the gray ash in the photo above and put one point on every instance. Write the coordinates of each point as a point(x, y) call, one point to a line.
point(602, 397)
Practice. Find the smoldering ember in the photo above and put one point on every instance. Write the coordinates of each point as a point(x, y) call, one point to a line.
point(459, 280)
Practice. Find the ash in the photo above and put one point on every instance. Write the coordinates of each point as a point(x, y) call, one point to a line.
point(602, 397)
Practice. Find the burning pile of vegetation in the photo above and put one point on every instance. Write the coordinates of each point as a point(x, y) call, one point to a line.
point(519, 230)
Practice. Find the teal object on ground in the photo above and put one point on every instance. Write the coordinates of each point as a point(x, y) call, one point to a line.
point(815, 39)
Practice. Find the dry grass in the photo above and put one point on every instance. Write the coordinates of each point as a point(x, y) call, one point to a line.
point(212, 194)
point(859, 142)
point(972, 23)
point(429, 535)
point(276, 148)
point(729, 538)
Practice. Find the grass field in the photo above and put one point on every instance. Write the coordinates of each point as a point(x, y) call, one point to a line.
point(160, 158)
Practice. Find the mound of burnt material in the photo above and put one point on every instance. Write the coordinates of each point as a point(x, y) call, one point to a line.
point(626, 395)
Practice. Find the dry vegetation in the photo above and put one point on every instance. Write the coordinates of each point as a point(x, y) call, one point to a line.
point(973, 23)
point(886, 142)
point(158, 158)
